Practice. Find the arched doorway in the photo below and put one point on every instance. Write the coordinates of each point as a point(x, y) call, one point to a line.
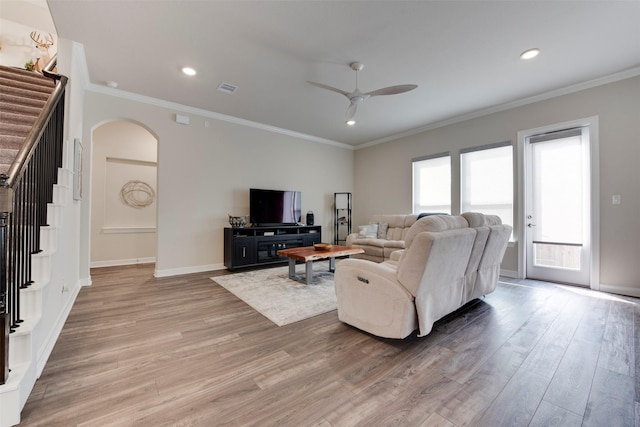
point(123, 194)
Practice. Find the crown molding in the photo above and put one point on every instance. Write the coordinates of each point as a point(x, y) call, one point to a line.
point(92, 87)
point(623, 75)
point(612, 78)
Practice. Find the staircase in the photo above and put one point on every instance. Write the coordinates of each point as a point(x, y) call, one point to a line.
point(22, 98)
point(34, 189)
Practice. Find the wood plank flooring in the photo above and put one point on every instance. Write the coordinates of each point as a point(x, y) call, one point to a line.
point(182, 351)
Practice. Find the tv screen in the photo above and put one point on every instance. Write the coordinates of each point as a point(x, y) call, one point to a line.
point(274, 207)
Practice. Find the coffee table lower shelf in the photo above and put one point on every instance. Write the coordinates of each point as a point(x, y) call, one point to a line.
point(308, 254)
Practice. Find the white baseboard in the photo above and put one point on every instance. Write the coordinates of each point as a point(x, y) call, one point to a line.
point(509, 273)
point(620, 290)
point(188, 270)
point(117, 262)
point(50, 342)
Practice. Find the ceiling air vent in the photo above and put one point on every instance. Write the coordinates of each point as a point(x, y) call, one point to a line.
point(227, 88)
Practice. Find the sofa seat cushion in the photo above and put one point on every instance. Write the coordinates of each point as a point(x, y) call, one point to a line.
point(370, 251)
point(370, 242)
point(380, 243)
point(395, 244)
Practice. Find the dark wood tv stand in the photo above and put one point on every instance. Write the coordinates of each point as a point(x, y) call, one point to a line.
point(258, 246)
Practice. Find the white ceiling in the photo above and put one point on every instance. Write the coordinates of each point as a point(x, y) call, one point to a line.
point(463, 55)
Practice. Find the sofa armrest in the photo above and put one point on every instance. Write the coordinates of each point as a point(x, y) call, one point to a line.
point(378, 277)
point(395, 255)
point(351, 238)
point(370, 297)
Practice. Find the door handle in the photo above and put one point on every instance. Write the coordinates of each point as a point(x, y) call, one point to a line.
point(531, 225)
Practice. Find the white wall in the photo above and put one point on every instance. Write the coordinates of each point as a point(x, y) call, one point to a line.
point(205, 170)
point(17, 20)
point(117, 230)
point(618, 107)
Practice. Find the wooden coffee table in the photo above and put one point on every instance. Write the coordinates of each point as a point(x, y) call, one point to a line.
point(308, 254)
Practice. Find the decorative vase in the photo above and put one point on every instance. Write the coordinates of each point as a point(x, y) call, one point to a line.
point(237, 221)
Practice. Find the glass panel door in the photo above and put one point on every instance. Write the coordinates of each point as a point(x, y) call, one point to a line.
point(558, 219)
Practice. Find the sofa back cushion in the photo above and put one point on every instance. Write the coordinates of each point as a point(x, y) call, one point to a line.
point(434, 223)
point(397, 225)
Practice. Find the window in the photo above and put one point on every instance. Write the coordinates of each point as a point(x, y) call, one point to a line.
point(432, 184)
point(486, 180)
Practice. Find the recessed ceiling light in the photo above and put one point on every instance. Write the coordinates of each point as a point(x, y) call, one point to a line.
point(189, 71)
point(351, 122)
point(530, 53)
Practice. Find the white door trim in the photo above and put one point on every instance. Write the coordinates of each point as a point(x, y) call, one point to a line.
point(594, 147)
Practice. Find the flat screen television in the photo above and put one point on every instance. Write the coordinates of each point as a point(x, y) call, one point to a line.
point(274, 207)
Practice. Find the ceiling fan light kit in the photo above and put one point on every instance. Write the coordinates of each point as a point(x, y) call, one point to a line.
point(530, 53)
point(356, 97)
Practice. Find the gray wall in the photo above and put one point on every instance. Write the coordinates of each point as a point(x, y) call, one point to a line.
point(383, 171)
point(132, 149)
point(205, 170)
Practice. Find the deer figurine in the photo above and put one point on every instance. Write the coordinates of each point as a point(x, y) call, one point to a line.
point(43, 46)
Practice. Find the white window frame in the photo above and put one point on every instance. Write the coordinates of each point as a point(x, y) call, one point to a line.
point(418, 164)
point(487, 208)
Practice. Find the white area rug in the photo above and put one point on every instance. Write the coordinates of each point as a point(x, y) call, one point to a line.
point(282, 300)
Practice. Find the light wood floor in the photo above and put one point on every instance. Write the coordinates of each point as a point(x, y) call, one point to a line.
point(140, 351)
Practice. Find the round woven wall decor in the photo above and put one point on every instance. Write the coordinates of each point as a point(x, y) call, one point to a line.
point(137, 194)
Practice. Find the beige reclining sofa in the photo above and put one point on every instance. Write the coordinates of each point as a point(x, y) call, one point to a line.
point(383, 235)
point(448, 261)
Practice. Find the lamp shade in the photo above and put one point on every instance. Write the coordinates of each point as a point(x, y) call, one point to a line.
point(342, 200)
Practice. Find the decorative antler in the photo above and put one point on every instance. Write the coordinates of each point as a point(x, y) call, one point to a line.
point(44, 44)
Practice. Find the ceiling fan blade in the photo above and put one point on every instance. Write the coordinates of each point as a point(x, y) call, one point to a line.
point(333, 89)
point(351, 111)
point(392, 90)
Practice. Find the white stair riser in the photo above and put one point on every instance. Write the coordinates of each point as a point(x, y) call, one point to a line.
point(48, 239)
point(20, 347)
point(65, 177)
point(59, 194)
point(54, 214)
point(30, 302)
point(41, 268)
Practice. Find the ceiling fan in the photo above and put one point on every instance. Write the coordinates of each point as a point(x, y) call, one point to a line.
point(357, 97)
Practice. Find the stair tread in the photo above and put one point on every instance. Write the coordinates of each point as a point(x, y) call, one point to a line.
point(29, 78)
point(11, 142)
point(13, 107)
point(21, 74)
point(14, 129)
point(10, 117)
point(10, 90)
point(40, 87)
point(21, 100)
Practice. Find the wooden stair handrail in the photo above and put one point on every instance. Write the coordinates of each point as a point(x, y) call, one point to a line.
point(8, 181)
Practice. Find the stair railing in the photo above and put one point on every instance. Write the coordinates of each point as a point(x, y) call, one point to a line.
point(25, 191)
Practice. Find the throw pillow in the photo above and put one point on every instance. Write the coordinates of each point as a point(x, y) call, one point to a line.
point(423, 214)
point(369, 231)
point(382, 230)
